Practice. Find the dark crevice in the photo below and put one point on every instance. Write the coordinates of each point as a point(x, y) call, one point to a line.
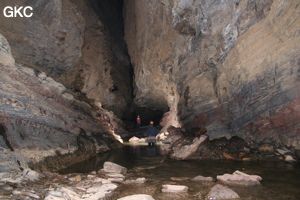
point(3, 134)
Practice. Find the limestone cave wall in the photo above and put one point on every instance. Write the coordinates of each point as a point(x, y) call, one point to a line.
point(231, 67)
point(67, 40)
point(69, 72)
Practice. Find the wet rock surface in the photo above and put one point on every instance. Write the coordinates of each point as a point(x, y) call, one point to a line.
point(217, 74)
point(43, 125)
point(240, 178)
point(221, 192)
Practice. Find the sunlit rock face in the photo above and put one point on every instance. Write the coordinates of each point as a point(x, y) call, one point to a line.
point(66, 40)
point(231, 64)
point(40, 119)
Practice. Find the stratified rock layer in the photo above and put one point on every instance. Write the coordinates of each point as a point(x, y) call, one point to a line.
point(66, 40)
point(231, 67)
point(39, 119)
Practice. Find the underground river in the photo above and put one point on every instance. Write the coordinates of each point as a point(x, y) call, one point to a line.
point(280, 180)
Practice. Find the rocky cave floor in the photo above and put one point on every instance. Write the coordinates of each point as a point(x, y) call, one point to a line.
point(30, 184)
point(101, 185)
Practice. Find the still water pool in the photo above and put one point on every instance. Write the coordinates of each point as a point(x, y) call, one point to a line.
point(280, 180)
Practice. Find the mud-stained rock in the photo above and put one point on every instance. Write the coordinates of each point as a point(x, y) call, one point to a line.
point(183, 150)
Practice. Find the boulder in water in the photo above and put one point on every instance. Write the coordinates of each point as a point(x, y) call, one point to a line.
point(240, 178)
point(221, 192)
point(111, 167)
point(174, 188)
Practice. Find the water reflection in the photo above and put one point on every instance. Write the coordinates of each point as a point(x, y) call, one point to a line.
point(280, 180)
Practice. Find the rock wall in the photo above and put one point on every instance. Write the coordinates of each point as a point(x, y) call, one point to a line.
point(229, 66)
point(39, 118)
point(66, 40)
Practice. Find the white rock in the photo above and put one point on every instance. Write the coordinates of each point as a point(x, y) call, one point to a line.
point(221, 192)
point(283, 151)
point(102, 180)
point(93, 189)
point(142, 140)
point(111, 167)
point(70, 194)
point(240, 178)
point(289, 159)
point(138, 180)
point(109, 187)
point(25, 193)
point(116, 180)
point(202, 178)
point(134, 139)
point(31, 175)
point(99, 192)
point(174, 188)
point(96, 196)
point(68, 96)
point(55, 195)
point(137, 197)
point(115, 175)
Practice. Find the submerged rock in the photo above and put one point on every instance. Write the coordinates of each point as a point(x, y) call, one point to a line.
point(174, 188)
point(202, 178)
point(221, 192)
point(240, 178)
point(138, 180)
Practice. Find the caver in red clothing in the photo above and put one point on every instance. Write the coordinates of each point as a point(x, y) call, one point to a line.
point(138, 121)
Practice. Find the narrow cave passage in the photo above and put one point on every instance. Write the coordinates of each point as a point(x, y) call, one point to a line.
point(110, 13)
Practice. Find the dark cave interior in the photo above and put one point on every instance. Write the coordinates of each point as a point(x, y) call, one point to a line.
point(110, 13)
